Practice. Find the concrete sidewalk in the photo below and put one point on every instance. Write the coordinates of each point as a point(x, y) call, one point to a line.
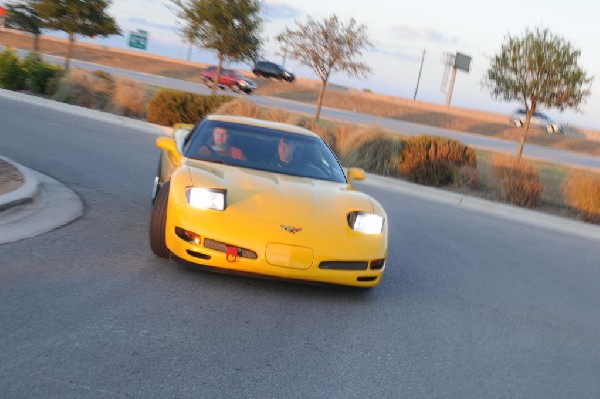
point(38, 204)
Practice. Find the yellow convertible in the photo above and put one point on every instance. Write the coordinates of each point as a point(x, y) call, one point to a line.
point(252, 196)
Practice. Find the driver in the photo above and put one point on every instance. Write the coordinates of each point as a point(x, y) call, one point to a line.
point(220, 146)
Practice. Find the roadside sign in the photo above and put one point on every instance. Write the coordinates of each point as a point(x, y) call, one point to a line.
point(138, 39)
point(3, 13)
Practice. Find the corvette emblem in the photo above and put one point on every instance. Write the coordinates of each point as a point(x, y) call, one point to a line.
point(291, 229)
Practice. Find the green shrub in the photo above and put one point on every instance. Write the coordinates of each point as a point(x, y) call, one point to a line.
point(41, 77)
point(433, 173)
point(582, 192)
point(437, 155)
point(168, 107)
point(375, 153)
point(518, 180)
point(12, 73)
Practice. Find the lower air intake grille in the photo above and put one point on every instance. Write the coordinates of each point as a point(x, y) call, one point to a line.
point(342, 265)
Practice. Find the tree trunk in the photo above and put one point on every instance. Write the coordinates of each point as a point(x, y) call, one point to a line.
point(321, 95)
point(36, 43)
point(522, 143)
point(528, 116)
point(70, 50)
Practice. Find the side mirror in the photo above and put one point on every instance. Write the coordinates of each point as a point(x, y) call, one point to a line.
point(181, 132)
point(170, 146)
point(355, 174)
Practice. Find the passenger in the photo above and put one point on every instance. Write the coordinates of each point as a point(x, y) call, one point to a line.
point(220, 146)
point(285, 152)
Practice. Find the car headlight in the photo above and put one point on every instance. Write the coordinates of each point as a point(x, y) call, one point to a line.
point(207, 198)
point(367, 223)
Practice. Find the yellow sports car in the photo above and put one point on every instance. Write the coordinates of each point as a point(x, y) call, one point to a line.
point(252, 196)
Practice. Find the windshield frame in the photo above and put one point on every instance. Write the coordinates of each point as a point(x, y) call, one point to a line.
point(258, 144)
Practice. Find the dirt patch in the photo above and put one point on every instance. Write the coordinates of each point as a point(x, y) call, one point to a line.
point(10, 178)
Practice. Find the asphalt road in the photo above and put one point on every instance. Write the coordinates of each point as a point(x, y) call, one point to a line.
point(470, 306)
point(532, 151)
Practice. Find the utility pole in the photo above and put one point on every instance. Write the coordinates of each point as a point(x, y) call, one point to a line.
point(449, 96)
point(189, 52)
point(419, 78)
point(458, 61)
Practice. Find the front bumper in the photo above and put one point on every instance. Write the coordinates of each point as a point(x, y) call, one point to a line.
point(357, 262)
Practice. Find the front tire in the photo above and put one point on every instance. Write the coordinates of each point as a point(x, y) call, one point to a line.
point(158, 221)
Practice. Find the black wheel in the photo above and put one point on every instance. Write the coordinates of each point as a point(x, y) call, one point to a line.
point(158, 221)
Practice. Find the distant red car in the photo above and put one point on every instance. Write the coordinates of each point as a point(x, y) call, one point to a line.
point(228, 79)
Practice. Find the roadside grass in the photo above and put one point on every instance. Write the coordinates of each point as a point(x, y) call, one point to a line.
point(551, 176)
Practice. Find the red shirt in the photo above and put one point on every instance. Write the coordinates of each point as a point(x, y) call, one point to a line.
point(230, 152)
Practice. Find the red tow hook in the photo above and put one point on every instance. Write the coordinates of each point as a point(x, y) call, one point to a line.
point(232, 253)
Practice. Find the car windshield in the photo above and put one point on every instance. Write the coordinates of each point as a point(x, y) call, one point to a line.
point(265, 149)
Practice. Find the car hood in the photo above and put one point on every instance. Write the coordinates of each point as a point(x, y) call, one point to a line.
point(278, 196)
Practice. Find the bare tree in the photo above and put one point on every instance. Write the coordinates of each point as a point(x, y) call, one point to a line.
point(538, 68)
point(327, 46)
point(229, 28)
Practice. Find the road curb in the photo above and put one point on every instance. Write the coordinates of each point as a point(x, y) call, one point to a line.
point(25, 193)
point(53, 206)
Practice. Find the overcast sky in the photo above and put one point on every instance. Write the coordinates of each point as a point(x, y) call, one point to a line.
point(400, 31)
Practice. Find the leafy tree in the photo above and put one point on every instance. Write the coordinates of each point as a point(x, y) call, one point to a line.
point(229, 28)
point(327, 46)
point(538, 68)
point(23, 15)
point(78, 17)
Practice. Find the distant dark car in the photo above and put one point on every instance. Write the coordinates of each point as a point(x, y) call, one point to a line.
point(229, 79)
point(539, 120)
point(272, 70)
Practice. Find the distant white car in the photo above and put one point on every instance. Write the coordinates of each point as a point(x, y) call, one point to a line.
point(539, 120)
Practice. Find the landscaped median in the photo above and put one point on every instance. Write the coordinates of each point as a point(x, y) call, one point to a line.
point(428, 160)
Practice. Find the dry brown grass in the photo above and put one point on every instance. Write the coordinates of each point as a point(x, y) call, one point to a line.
point(468, 176)
point(277, 115)
point(582, 192)
point(129, 98)
point(240, 107)
point(518, 180)
point(79, 87)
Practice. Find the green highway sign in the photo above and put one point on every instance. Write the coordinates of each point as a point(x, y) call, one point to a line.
point(138, 39)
